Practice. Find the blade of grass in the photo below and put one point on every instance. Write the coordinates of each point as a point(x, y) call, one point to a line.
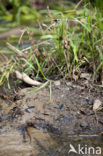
point(37, 89)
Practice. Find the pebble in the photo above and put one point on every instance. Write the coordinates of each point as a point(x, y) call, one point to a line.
point(97, 105)
point(57, 83)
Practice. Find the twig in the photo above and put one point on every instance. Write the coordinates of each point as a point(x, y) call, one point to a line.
point(11, 47)
point(24, 77)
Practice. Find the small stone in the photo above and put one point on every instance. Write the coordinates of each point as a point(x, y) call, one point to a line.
point(97, 105)
point(57, 83)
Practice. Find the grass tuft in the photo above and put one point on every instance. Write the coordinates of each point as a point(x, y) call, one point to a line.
point(69, 42)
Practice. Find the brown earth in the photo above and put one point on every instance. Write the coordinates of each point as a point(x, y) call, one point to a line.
point(38, 120)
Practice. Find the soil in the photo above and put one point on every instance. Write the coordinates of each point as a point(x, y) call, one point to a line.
point(35, 119)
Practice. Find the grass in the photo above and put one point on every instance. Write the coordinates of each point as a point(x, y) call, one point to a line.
point(22, 11)
point(71, 41)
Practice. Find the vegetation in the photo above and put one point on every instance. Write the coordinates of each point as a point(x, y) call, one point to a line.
point(71, 41)
point(22, 11)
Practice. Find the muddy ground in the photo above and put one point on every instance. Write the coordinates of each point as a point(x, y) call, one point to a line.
point(39, 124)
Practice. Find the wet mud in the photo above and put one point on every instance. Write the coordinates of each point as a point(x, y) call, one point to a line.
point(40, 123)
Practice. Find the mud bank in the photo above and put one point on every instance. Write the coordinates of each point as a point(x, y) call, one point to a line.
point(39, 124)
